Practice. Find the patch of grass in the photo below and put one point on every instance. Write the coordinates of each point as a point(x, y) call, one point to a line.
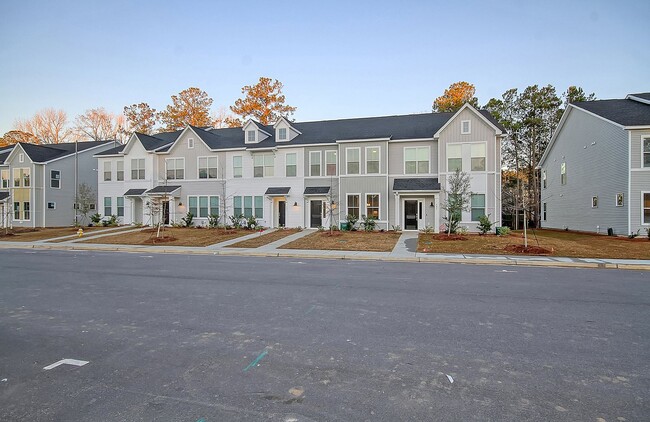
point(182, 236)
point(88, 233)
point(264, 239)
point(559, 243)
point(346, 241)
point(20, 234)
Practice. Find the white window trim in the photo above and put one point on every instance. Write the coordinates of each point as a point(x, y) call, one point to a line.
point(347, 208)
point(190, 143)
point(248, 141)
point(286, 163)
point(110, 170)
point(616, 200)
point(182, 159)
point(210, 211)
point(428, 148)
point(264, 166)
point(469, 127)
point(336, 163)
point(198, 167)
point(365, 161)
point(347, 156)
point(643, 138)
point(643, 193)
point(138, 168)
point(286, 132)
point(241, 157)
point(461, 155)
point(8, 179)
point(484, 156)
point(59, 179)
point(596, 201)
point(21, 158)
point(117, 170)
point(320, 163)
point(365, 204)
point(53, 205)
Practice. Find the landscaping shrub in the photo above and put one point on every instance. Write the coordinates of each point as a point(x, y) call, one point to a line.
point(484, 225)
point(504, 231)
point(251, 223)
point(352, 220)
point(213, 221)
point(188, 220)
point(96, 218)
point(369, 223)
point(236, 220)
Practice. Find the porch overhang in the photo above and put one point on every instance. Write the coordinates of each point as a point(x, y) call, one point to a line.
point(277, 191)
point(416, 185)
point(134, 192)
point(316, 191)
point(164, 191)
point(4, 196)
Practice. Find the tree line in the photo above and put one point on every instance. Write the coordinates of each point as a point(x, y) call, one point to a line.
point(262, 101)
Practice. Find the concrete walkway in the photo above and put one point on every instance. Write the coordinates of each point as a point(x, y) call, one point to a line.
point(405, 250)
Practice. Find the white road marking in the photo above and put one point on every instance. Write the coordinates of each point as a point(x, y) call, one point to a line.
point(146, 256)
point(74, 362)
point(505, 271)
point(451, 380)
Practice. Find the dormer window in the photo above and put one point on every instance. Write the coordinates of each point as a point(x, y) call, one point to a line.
point(282, 134)
point(250, 136)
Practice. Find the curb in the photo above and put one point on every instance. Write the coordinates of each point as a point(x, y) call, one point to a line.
point(342, 256)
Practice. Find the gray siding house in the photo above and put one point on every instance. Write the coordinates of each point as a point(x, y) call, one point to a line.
point(596, 169)
point(308, 174)
point(38, 182)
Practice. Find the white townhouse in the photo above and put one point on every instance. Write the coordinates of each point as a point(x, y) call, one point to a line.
point(308, 174)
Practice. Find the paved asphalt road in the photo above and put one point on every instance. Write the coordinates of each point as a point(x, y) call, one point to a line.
point(200, 338)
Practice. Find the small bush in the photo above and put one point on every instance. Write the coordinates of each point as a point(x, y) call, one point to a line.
point(397, 228)
point(213, 220)
point(648, 232)
point(484, 225)
point(369, 223)
point(463, 230)
point(236, 220)
point(352, 220)
point(251, 223)
point(427, 230)
point(96, 218)
point(504, 231)
point(188, 220)
point(633, 235)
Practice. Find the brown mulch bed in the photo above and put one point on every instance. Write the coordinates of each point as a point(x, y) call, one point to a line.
point(346, 241)
point(527, 250)
point(19, 234)
point(183, 236)
point(264, 239)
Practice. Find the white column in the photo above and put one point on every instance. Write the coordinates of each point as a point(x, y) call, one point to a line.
point(436, 202)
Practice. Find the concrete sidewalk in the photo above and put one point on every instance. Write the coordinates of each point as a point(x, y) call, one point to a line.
point(405, 250)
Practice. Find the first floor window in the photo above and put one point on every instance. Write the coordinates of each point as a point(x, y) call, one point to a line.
point(619, 199)
point(478, 206)
point(248, 206)
point(237, 167)
point(119, 176)
point(252, 206)
point(108, 207)
point(291, 166)
point(454, 158)
point(372, 206)
point(16, 210)
point(55, 179)
point(237, 205)
point(26, 214)
point(544, 211)
point(353, 205)
point(330, 163)
point(5, 179)
point(208, 167)
point(120, 206)
point(646, 208)
point(203, 206)
point(259, 205)
point(107, 171)
point(175, 168)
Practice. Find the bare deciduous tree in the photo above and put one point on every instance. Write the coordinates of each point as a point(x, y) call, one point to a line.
point(48, 125)
point(96, 124)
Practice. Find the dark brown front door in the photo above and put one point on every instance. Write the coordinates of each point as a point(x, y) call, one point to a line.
point(165, 206)
point(410, 215)
point(316, 214)
point(282, 207)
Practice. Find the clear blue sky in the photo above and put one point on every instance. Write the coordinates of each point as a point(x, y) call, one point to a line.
point(336, 59)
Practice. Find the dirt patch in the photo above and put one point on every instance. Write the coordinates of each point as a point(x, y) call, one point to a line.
point(445, 237)
point(181, 236)
point(264, 239)
point(19, 234)
point(527, 250)
point(346, 241)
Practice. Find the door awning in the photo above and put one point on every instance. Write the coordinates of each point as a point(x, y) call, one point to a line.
point(316, 190)
point(277, 191)
point(134, 192)
point(420, 184)
point(164, 191)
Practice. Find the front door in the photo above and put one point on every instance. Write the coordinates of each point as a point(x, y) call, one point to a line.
point(411, 215)
point(165, 210)
point(316, 214)
point(282, 207)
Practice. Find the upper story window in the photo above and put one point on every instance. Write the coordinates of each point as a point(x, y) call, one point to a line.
point(291, 166)
point(352, 159)
point(478, 157)
point(282, 134)
point(108, 172)
point(237, 166)
point(119, 175)
point(563, 173)
point(330, 163)
point(454, 157)
point(263, 165)
point(55, 179)
point(544, 179)
point(465, 127)
point(416, 160)
point(646, 152)
point(17, 178)
point(372, 160)
point(250, 136)
point(190, 143)
point(314, 163)
point(208, 168)
point(26, 179)
point(4, 175)
point(137, 169)
point(175, 168)
point(21, 158)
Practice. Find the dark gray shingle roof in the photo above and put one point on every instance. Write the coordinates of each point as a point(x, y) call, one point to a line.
point(4, 195)
point(623, 112)
point(163, 189)
point(42, 153)
point(151, 143)
point(644, 95)
point(277, 191)
point(111, 151)
point(416, 183)
point(134, 192)
point(316, 190)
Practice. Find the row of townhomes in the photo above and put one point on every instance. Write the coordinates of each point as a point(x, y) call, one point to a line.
point(307, 174)
point(39, 182)
point(596, 169)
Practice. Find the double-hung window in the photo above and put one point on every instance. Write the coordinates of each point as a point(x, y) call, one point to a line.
point(26, 180)
point(478, 157)
point(372, 160)
point(55, 179)
point(137, 169)
point(416, 160)
point(282, 134)
point(353, 205)
point(203, 206)
point(17, 178)
point(108, 207)
point(120, 206)
point(119, 175)
point(478, 206)
point(249, 206)
point(237, 166)
point(250, 136)
point(5, 179)
point(26, 211)
point(175, 168)
point(108, 171)
point(263, 165)
point(17, 211)
point(454, 157)
point(372, 206)
point(352, 159)
point(314, 163)
point(237, 205)
point(291, 166)
point(646, 208)
point(646, 152)
point(208, 168)
point(330, 163)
